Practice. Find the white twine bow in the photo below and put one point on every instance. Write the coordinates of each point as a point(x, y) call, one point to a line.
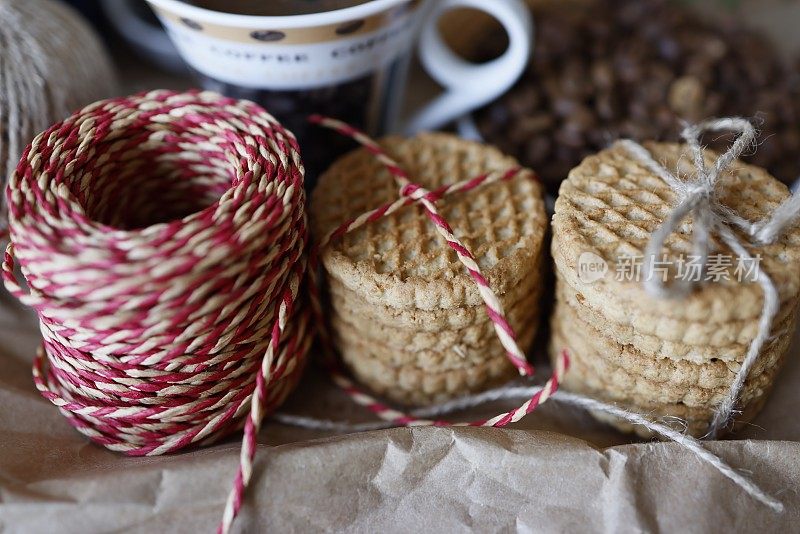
point(698, 197)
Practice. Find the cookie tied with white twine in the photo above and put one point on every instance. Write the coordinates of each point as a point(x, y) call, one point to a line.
point(694, 313)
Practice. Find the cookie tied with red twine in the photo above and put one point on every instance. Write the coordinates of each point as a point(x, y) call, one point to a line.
point(472, 275)
point(163, 240)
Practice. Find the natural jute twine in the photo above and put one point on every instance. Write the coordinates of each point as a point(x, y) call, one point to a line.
point(161, 335)
point(51, 63)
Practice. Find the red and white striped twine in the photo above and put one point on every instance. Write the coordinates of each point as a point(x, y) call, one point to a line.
point(158, 336)
point(413, 193)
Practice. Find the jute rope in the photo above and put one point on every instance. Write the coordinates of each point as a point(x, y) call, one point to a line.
point(161, 335)
point(51, 63)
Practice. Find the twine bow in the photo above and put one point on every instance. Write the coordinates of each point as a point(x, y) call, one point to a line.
point(699, 198)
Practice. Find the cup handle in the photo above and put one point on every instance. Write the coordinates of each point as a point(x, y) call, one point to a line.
point(468, 86)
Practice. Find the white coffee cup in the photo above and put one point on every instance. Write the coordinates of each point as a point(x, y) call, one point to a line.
point(362, 50)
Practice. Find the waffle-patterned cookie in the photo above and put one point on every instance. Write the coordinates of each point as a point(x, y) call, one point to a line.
point(630, 371)
point(454, 357)
point(586, 380)
point(409, 384)
point(523, 314)
point(701, 343)
point(656, 356)
point(610, 206)
point(407, 318)
point(347, 302)
point(401, 261)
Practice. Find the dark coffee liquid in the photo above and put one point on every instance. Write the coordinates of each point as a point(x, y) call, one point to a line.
point(369, 103)
point(276, 7)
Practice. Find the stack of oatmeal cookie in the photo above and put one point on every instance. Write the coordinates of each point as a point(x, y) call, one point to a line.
point(661, 356)
point(407, 318)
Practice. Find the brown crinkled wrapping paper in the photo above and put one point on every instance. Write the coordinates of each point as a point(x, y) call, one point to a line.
point(556, 471)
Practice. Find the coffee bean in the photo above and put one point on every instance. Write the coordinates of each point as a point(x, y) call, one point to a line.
point(535, 123)
point(537, 150)
point(602, 75)
point(569, 135)
point(607, 106)
point(686, 97)
point(563, 106)
point(522, 104)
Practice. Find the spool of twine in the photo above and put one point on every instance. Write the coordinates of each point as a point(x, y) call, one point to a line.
point(163, 240)
point(51, 63)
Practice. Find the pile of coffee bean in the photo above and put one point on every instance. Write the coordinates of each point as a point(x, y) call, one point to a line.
point(636, 68)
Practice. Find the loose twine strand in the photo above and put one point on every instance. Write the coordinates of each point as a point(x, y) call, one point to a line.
point(698, 197)
point(561, 396)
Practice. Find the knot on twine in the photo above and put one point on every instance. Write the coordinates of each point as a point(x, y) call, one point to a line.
point(163, 240)
point(698, 197)
point(410, 193)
